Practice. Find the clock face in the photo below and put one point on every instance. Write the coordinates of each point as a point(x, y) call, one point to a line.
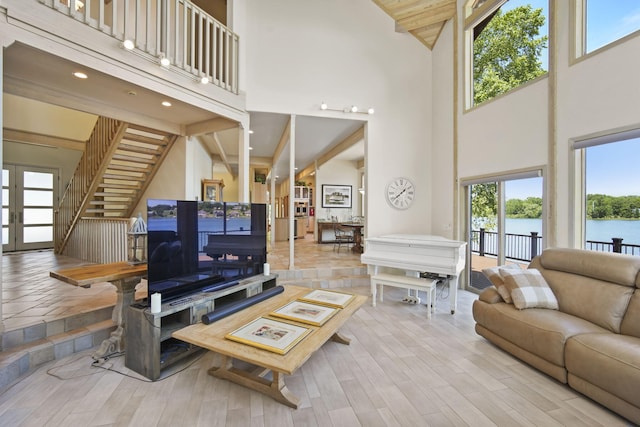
point(400, 193)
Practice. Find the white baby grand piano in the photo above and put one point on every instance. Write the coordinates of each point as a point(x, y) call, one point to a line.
point(417, 253)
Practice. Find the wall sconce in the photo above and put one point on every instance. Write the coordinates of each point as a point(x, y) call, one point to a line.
point(351, 109)
point(137, 242)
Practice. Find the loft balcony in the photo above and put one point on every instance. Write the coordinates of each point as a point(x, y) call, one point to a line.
point(174, 33)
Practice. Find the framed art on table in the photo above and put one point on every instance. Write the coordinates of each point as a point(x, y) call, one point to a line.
point(329, 298)
point(305, 312)
point(269, 334)
point(336, 196)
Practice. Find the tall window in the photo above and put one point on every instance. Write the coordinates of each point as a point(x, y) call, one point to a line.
point(612, 194)
point(508, 44)
point(602, 22)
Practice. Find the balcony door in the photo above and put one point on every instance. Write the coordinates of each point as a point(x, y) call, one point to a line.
point(29, 195)
point(504, 224)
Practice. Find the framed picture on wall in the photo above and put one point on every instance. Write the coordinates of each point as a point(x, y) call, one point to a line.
point(212, 190)
point(336, 196)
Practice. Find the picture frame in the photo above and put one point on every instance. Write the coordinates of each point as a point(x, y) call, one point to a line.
point(305, 312)
point(336, 196)
point(334, 299)
point(212, 190)
point(270, 334)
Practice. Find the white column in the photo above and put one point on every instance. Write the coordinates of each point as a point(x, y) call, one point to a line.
point(272, 202)
point(292, 179)
point(1, 163)
point(243, 161)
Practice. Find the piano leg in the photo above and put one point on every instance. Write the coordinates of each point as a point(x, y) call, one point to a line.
point(453, 293)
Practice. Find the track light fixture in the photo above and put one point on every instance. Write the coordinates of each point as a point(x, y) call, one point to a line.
point(351, 109)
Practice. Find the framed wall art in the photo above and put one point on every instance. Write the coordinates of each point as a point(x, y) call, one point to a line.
point(336, 196)
point(212, 190)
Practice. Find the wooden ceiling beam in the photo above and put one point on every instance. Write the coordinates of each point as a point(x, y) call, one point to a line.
point(435, 14)
point(27, 137)
point(282, 144)
point(346, 143)
point(209, 126)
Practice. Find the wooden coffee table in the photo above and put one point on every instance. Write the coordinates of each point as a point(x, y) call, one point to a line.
point(211, 337)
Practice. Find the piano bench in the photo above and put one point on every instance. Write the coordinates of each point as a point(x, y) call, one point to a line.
point(411, 283)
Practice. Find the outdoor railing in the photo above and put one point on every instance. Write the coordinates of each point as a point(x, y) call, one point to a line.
point(524, 247)
point(174, 30)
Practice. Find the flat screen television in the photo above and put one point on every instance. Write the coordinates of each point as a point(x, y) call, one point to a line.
point(196, 246)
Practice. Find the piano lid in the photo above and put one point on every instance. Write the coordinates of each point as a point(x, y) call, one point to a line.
point(415, 240)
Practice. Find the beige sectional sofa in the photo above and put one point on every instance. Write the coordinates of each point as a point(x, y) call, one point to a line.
point(592, 341)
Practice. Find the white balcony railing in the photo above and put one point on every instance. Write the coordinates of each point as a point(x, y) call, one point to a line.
point(177, 30)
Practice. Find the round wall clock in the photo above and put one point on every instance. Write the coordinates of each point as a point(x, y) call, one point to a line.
point(400, 193)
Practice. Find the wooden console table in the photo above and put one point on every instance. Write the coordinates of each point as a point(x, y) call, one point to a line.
point(124, 277)
point(211, 337)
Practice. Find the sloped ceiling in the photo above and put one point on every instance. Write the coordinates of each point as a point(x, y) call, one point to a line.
point(424, 19)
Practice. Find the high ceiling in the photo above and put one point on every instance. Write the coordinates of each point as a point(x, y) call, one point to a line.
point(38, 76)
point(424, 19)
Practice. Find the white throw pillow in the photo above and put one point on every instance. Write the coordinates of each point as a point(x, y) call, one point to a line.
point(529, 289)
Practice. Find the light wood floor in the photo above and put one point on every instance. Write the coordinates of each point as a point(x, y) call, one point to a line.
point(401, 369)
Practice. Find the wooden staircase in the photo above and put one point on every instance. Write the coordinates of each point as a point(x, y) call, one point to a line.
point(116, 168)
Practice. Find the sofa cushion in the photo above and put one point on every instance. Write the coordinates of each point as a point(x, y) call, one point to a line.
point(494, 276)
point(608, 361)
point(631, 321)
point(539, 331)
point(528, 289)
point(611, 267)
point(601, 302)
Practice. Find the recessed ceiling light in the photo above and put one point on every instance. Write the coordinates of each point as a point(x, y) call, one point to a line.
point(164, 61)
point(250, 148)
point(204, 80)
point(250, 132)
point(80, 75)
point(166, 103)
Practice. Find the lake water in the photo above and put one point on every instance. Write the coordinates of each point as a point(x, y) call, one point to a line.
point(600, 231)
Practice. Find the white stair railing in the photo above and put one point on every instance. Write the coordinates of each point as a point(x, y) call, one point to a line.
point(99, 240)
point(190, 39)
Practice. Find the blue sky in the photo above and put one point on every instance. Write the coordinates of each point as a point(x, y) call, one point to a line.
point(612, 169)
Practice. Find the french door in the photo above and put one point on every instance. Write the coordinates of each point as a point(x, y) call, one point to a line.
point(29, 195)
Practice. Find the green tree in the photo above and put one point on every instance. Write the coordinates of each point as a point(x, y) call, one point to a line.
point(484, 206)
point(507, 52)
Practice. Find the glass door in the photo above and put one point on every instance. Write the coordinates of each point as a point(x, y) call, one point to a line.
point(29, 195)
point(505, 224)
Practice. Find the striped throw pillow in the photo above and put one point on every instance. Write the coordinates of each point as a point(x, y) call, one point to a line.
point(529, 289)
point(494, 276)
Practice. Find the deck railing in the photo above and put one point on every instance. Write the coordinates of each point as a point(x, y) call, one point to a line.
point(175, 30)
point(523, 247)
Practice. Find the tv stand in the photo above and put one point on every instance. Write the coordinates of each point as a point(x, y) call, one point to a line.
point(149, 347)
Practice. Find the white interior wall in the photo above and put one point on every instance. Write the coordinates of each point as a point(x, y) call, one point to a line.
point(198, 166)
point(170, 180)
point(303, 52)
point(337, 172)
point(63, 159)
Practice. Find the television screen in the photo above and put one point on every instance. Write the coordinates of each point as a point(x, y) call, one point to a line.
point(201, 246)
